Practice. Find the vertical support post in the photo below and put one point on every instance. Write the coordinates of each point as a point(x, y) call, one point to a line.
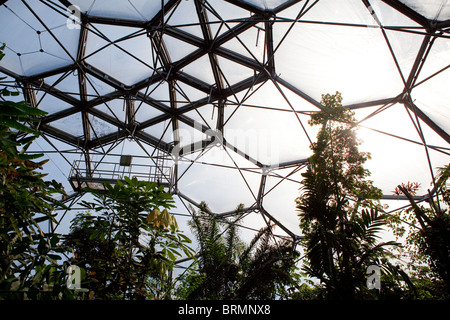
point(218, 77)
point(175, 125)
point(83, 95)
point(262, 187)
point(130, 114)
point(30, 98)
point(270, 64)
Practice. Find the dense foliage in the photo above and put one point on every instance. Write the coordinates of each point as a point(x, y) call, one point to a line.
point(126, 242)
point(127, 246)
point(339, 211)
point(227, 268)
point(28, 252)
point(427, 237)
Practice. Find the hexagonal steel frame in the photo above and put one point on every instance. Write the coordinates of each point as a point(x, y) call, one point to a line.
point(171, 73)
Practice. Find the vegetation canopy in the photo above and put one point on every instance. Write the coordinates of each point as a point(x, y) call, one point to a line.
point(29, 253)
point(339, 209)
point(126, 243)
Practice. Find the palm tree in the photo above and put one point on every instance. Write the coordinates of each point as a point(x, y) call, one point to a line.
point(267, 267)
point(217, 267)
point(227, 268)
point(433, 235)
point(339, 208)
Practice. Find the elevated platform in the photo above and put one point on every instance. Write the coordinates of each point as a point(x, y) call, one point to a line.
point(80, 177)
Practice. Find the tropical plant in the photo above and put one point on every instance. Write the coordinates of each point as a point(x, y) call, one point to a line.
point(268, 268)
point(339, 211)
point(127, 243)
point(427, 235)
point(28, 254)
point(227, 268)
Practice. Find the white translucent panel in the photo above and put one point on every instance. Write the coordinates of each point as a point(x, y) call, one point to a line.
point(251, 223)
point(104, 34)
point(213, 155)
point(241, 162)
point(67, 47)
point(158, 91)
point(144, 111)
point(59, 166)
point(189, 136)
point(22, 19)
point(294, 101)
point(280, 195)
point(130, 147)
point(268, 136)
point(342, 11)
point(352, 60)
point(177, 49)
point(221, 188)
point(272, 95)
point(218, 156)
point(437, 60)
point(51, 104)
point(222, 16)
point(433, 107)
point(233, 72)
point(441, 118)
point(394, 120)
point(129, 60)
point(31, 48)
point(72, 124)
point(186, 94)
point(396, 161)
point(100, 128)
point(405, 46)
point(206, 115)
point(201, 69)
point(96, 88)
point(66, 83)
point(161, 131)
point(432, 97)
point(224, 12)
point(389, 17)
point(133, 9)
point(431, 9)
point(114, 108)
point(249, 43)
point(184, 16)
point(276, 107)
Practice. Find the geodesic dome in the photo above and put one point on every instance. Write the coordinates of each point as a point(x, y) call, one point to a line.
point(212, 97)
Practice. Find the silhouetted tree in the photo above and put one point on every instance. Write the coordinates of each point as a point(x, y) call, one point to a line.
point(429, 235)
point(339, 211)
point(226, 268)
point(29, 254)
point(127, 246)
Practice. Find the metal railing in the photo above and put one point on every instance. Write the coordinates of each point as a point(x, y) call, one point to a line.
point(106, 171)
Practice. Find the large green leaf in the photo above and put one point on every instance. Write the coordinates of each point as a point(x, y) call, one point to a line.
point(18, 126)
point(19, 109)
